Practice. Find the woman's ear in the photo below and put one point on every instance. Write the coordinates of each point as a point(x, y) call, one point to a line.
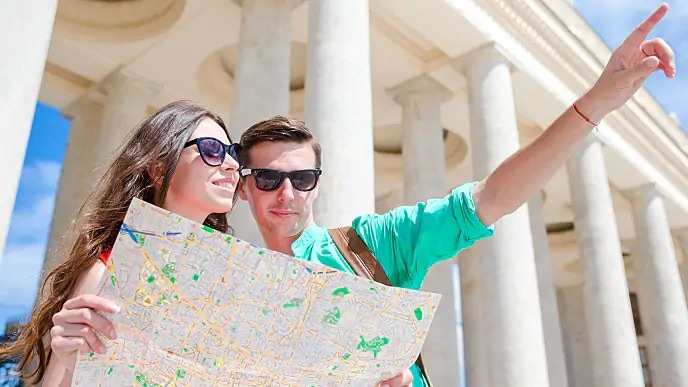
point(156, 174)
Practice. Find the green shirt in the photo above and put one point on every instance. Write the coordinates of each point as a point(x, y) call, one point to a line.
point(407, 240)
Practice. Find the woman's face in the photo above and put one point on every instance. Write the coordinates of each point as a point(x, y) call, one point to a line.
point(198, 189)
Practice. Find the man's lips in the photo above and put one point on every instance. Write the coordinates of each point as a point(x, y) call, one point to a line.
point(282, 212)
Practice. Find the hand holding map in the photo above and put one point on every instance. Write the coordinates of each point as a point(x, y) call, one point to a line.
point(199, 307)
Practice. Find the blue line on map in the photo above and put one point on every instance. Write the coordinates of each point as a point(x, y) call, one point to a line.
point(132, 233)
point(310, 271)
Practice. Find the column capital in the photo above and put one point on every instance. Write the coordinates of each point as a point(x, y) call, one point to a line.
point(294, 3)
point(423, 86)
point(84, 102)
point(123, 75)
point(488, 51)
point(682, 234)
point(642, 192)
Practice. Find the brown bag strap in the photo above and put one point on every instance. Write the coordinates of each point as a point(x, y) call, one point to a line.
point(358, 255)
point(363, 262)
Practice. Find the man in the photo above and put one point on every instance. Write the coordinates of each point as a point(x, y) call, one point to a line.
point(282, 166)
point(280, 183)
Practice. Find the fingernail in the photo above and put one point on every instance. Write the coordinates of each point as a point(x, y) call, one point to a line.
point(101, 349)
point(114, 307)
point(112, 334)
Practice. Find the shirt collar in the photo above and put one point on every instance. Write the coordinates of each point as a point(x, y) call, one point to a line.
point(301, 245)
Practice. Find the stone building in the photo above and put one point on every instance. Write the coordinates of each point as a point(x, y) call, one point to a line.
point(581, 287)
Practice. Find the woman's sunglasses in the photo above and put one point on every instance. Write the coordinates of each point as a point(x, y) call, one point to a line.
point(271, 179)
point(213, 151)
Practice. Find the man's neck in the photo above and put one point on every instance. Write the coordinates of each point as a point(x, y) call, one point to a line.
point(283, 245)
point(279, 243)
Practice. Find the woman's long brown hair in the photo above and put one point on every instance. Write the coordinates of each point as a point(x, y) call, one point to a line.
point(155, 145)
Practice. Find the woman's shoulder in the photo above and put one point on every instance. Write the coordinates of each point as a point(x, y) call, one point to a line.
point(89, 281)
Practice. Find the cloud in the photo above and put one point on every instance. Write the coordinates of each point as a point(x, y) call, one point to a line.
point(41, 175)
point(31, 221)
point(33, 210)
point(24, 253)
point(19, 275)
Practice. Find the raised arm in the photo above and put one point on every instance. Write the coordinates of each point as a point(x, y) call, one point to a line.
point(520, 176)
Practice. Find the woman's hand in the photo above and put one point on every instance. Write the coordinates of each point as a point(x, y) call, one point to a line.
point(75, 325)
point(630, 64)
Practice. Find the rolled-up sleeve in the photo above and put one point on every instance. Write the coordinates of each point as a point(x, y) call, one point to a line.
point(409, 239)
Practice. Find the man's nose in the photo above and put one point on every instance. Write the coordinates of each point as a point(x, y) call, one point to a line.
point(286, 191)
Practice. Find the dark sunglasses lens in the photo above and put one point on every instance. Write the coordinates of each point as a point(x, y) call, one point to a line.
point(234, 152)
point(212, 151)
point(304, 180)
point(267, 180)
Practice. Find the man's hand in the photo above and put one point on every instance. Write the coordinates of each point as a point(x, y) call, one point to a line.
point(630, 64)
point(75, 326)
point(404, 379)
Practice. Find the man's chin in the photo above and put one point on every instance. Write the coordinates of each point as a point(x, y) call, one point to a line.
point(287, 229)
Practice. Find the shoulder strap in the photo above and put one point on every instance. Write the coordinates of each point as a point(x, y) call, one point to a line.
point(363, 262)
point(358, 255)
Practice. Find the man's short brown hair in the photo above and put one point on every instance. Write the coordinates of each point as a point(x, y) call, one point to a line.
point(278, 129)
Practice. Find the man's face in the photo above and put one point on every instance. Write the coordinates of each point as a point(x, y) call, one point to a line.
point(284, 212)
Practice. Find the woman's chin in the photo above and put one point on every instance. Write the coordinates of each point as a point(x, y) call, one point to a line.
point(222, 205)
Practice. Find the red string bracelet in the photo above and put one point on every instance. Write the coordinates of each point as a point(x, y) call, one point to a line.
point(584, 116)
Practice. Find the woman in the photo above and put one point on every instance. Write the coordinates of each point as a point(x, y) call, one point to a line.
point(175, 159)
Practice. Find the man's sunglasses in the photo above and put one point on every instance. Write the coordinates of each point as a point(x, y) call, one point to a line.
point(213, 151)
point(271, 179)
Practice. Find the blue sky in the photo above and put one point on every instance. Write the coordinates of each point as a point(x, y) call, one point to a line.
point(23, 255)
point(33, 209)
point(614, 19)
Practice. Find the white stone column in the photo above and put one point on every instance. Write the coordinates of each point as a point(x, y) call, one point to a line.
point(613, 344)
point(76, 178)
point(261, 82)
point(423, 144)
point(556, 362)
point(474, 341)
point(683, 246)
point(339, 108)
point(516, 348)
point(662, 302)
point(127, 98)
point(424, 168)
point(26, 27)
point(574, 329)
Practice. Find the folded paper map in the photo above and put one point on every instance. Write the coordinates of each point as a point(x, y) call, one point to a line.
point(202, 308)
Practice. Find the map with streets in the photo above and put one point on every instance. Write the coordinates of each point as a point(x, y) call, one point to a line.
point(202, 308)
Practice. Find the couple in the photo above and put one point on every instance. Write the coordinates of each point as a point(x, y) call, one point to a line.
point(182, 159)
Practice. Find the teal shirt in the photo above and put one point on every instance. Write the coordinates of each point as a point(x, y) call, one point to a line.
point(407, 240)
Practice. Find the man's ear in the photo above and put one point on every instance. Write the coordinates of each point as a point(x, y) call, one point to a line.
point(241, 190)
point(316, 190)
